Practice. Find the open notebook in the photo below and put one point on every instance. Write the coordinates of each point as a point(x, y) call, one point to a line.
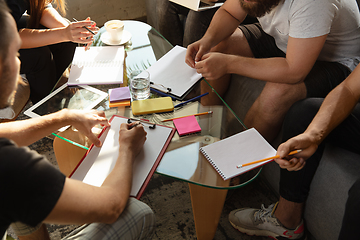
point(171, 72)
point(244, 147)
point(98, 162)
point(98, 65)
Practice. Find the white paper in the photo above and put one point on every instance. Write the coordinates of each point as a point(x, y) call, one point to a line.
point(99, 162)
point(171, 71)
point(241, 148)
point(98, 65)
point(195, 4)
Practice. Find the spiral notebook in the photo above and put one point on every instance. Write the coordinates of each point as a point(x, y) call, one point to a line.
point(244, 147)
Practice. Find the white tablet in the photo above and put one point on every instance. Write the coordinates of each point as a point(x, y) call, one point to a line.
point(83, 98)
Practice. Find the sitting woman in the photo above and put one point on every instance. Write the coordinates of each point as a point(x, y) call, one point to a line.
point(48, 42)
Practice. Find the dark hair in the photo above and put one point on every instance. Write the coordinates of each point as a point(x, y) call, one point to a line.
point(5, 30)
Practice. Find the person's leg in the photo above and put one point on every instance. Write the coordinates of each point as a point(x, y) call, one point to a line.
point(295, 185)
point(169, 22)
point(26, 232)
point(136, 222)
point(350, 223)
point(63, 54)
point(196, 25)
point(39, 68)
point(276, 99)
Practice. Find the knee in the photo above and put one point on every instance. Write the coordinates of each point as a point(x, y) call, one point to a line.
point(354, 191)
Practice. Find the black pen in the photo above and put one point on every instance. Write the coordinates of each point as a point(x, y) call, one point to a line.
point(132, 126)
point(85, 27)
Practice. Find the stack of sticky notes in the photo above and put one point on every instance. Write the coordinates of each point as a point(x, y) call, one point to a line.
point(187, 125)
point(119, 97)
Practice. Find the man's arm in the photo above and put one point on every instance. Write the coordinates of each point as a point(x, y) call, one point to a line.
point(81, 203)
point(223, 24)
point(25, 132)
point(336, 107)
point(300, 58)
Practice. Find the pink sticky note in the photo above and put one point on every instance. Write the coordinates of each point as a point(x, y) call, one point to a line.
point(119, 94)
point(187, 125)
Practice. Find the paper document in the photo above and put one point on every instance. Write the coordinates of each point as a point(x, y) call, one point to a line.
point(99, 162)
point(198, 5)
point(98, 65)
point(244, 147)
point(171, 72)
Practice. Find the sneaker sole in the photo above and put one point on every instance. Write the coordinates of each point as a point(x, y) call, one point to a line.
point(263, 233)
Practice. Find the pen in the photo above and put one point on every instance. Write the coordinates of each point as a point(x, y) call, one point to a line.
point(85, 27)
point(132, 126)
point(265, 159)
point(161, 93)
point(197, 114)
point(190, 100)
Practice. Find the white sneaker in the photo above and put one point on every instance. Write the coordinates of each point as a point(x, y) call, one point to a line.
point(262, 222)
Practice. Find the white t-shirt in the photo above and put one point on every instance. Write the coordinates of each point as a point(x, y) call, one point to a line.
point(340, 19)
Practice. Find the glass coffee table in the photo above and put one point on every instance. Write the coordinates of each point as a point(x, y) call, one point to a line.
point(182, 159)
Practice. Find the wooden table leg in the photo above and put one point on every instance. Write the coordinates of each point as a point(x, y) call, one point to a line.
point(207, 204)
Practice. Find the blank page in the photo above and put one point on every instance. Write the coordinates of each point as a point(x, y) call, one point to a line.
point(244, 147)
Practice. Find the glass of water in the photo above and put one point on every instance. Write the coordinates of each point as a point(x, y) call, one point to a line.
point(140, 85)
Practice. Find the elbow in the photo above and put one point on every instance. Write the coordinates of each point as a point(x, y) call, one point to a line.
point(114, 212)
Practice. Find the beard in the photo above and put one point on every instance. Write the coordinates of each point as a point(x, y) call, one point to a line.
point(258, 8)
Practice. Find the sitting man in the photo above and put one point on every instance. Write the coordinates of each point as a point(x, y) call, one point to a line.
point(336, 121)
point(297, 51)
point(39, 192)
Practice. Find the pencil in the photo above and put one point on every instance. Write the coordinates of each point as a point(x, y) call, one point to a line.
point(197, 114)
point(265, 159)
point(85, 27)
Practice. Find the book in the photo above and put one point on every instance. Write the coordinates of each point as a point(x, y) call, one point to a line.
point(171, 75)
point(187, 125)
point(98, 162)
point(198, 5)
point(98, 65)
point(245, 147)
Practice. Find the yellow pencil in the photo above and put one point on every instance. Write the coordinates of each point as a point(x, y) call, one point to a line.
point(197, 114)
point(265, 159)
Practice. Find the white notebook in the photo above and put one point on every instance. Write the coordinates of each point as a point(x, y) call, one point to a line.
point(171, 71)
point(98, 65)
point(244, 147)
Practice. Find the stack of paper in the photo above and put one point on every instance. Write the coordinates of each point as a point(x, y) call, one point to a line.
point(119, 97)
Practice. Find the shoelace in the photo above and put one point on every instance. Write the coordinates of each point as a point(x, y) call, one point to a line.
point(263, 213)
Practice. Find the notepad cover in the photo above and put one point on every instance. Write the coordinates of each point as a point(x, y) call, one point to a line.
point(119, 94)
point(187, 125)
point(154, 105)
point(245, 147)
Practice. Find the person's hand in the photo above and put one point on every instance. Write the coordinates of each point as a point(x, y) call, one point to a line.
point(305, 142)
point(195, 51)
point(84, 121)
point(75, 31)
point(131, 138)
point(212, 65)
